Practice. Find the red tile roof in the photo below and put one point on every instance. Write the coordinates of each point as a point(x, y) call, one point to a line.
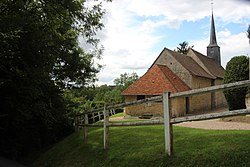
point(156, 81)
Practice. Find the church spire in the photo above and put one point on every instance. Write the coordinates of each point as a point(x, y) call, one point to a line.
point(213, 50)
point(212, 33)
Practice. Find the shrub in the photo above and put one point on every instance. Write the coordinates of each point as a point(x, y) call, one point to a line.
point(237, 69)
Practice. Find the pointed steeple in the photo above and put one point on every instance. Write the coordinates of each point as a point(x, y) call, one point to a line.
point(212, 33)
point(213, 50)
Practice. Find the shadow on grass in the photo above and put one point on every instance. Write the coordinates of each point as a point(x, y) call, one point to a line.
point(144, 146)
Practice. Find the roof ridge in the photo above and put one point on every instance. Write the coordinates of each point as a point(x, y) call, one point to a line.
point(203, 55)
point(170, 80)
point(186, 66)
point(208, 64)
point(168, 77)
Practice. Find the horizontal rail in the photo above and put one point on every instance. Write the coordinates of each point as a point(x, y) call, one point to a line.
point(180, 94)
point(115, 106)
point(212, 89)
point(178, 119)
point(156, 98)
point(210, 116)
point(158, 122)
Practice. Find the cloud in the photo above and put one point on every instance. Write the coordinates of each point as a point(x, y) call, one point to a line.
point(230, 45)
point(136, 30)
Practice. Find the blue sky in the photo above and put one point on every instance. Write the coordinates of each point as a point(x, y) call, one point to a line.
point(136, 31)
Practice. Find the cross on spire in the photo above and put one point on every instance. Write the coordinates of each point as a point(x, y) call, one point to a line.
point(212, 5)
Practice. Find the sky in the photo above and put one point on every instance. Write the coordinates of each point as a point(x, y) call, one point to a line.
point(136, 31)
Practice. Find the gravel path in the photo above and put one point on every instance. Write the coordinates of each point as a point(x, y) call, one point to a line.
point(216, 124)
point(213, 124)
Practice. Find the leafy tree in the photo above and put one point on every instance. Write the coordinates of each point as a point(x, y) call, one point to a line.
point(237, 69)
point(40, 55)
point(248, 33)
point(85, 99)
point(183, 47)
point(125, 80)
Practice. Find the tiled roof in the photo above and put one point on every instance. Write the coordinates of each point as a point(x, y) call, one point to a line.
point(156, 81)
point(188, 63)
point(210, 64)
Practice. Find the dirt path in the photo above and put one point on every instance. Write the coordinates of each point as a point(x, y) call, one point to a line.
point(216, 124)
point(213, 124)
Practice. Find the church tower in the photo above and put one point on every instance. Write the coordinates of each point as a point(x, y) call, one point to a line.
point(213, 50)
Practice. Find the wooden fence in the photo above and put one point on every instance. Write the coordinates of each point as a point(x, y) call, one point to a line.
point(82, 119)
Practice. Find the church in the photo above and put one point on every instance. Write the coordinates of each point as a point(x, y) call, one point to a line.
point(176, 72)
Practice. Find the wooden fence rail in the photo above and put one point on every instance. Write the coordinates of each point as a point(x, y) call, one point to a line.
point(212, 89)
point(180, 94)
point(167, 120)
point(122, 105)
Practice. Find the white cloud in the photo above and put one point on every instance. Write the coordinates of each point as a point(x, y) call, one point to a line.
point(234, 45)
point(130, 37)
point(230, 45)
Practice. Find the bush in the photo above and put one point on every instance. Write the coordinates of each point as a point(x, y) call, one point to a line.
point(237, 69)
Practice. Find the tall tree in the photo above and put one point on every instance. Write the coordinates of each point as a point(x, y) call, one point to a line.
point(248, 33)
point(40, 55)
point(237, 69)
point(183, 47)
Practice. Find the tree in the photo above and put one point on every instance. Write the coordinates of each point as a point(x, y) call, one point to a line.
point(125, 80)
point(112, 94)
point(237, 69)
point(183, 47)
point(40, 55)
point(248, 33)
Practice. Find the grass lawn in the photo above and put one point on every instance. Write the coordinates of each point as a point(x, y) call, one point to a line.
point(121, 114)
point(144, 146)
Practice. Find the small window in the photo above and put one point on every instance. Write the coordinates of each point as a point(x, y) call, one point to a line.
point(140, 97)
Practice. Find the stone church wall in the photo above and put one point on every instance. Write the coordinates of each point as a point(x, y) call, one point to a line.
point(220, 100)
point(202, 102)
point(178, 107)
point(179, 70)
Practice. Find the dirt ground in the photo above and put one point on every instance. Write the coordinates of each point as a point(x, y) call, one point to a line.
point(230, 123)
point(216, 124)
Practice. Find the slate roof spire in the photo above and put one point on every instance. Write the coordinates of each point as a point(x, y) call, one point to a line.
point(212, 33)
point(213, 50)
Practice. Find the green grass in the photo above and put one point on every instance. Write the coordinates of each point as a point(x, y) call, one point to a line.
point(123, 120)
point(144, 146)
point(121, 114)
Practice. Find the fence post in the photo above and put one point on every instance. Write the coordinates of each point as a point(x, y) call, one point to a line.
point(168, 128)
point(106, 128)
point(93, 117)
point(77, 123)
point(85, 129)
point(99, 115)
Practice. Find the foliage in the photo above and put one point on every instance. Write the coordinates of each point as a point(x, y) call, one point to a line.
point(39, 56)
point(125, 80)
point(237, 69)
point(76, 103)
point(89, 98)
point(183, 47)
point(144, 146)
point(248, 32)
point(108, 95)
